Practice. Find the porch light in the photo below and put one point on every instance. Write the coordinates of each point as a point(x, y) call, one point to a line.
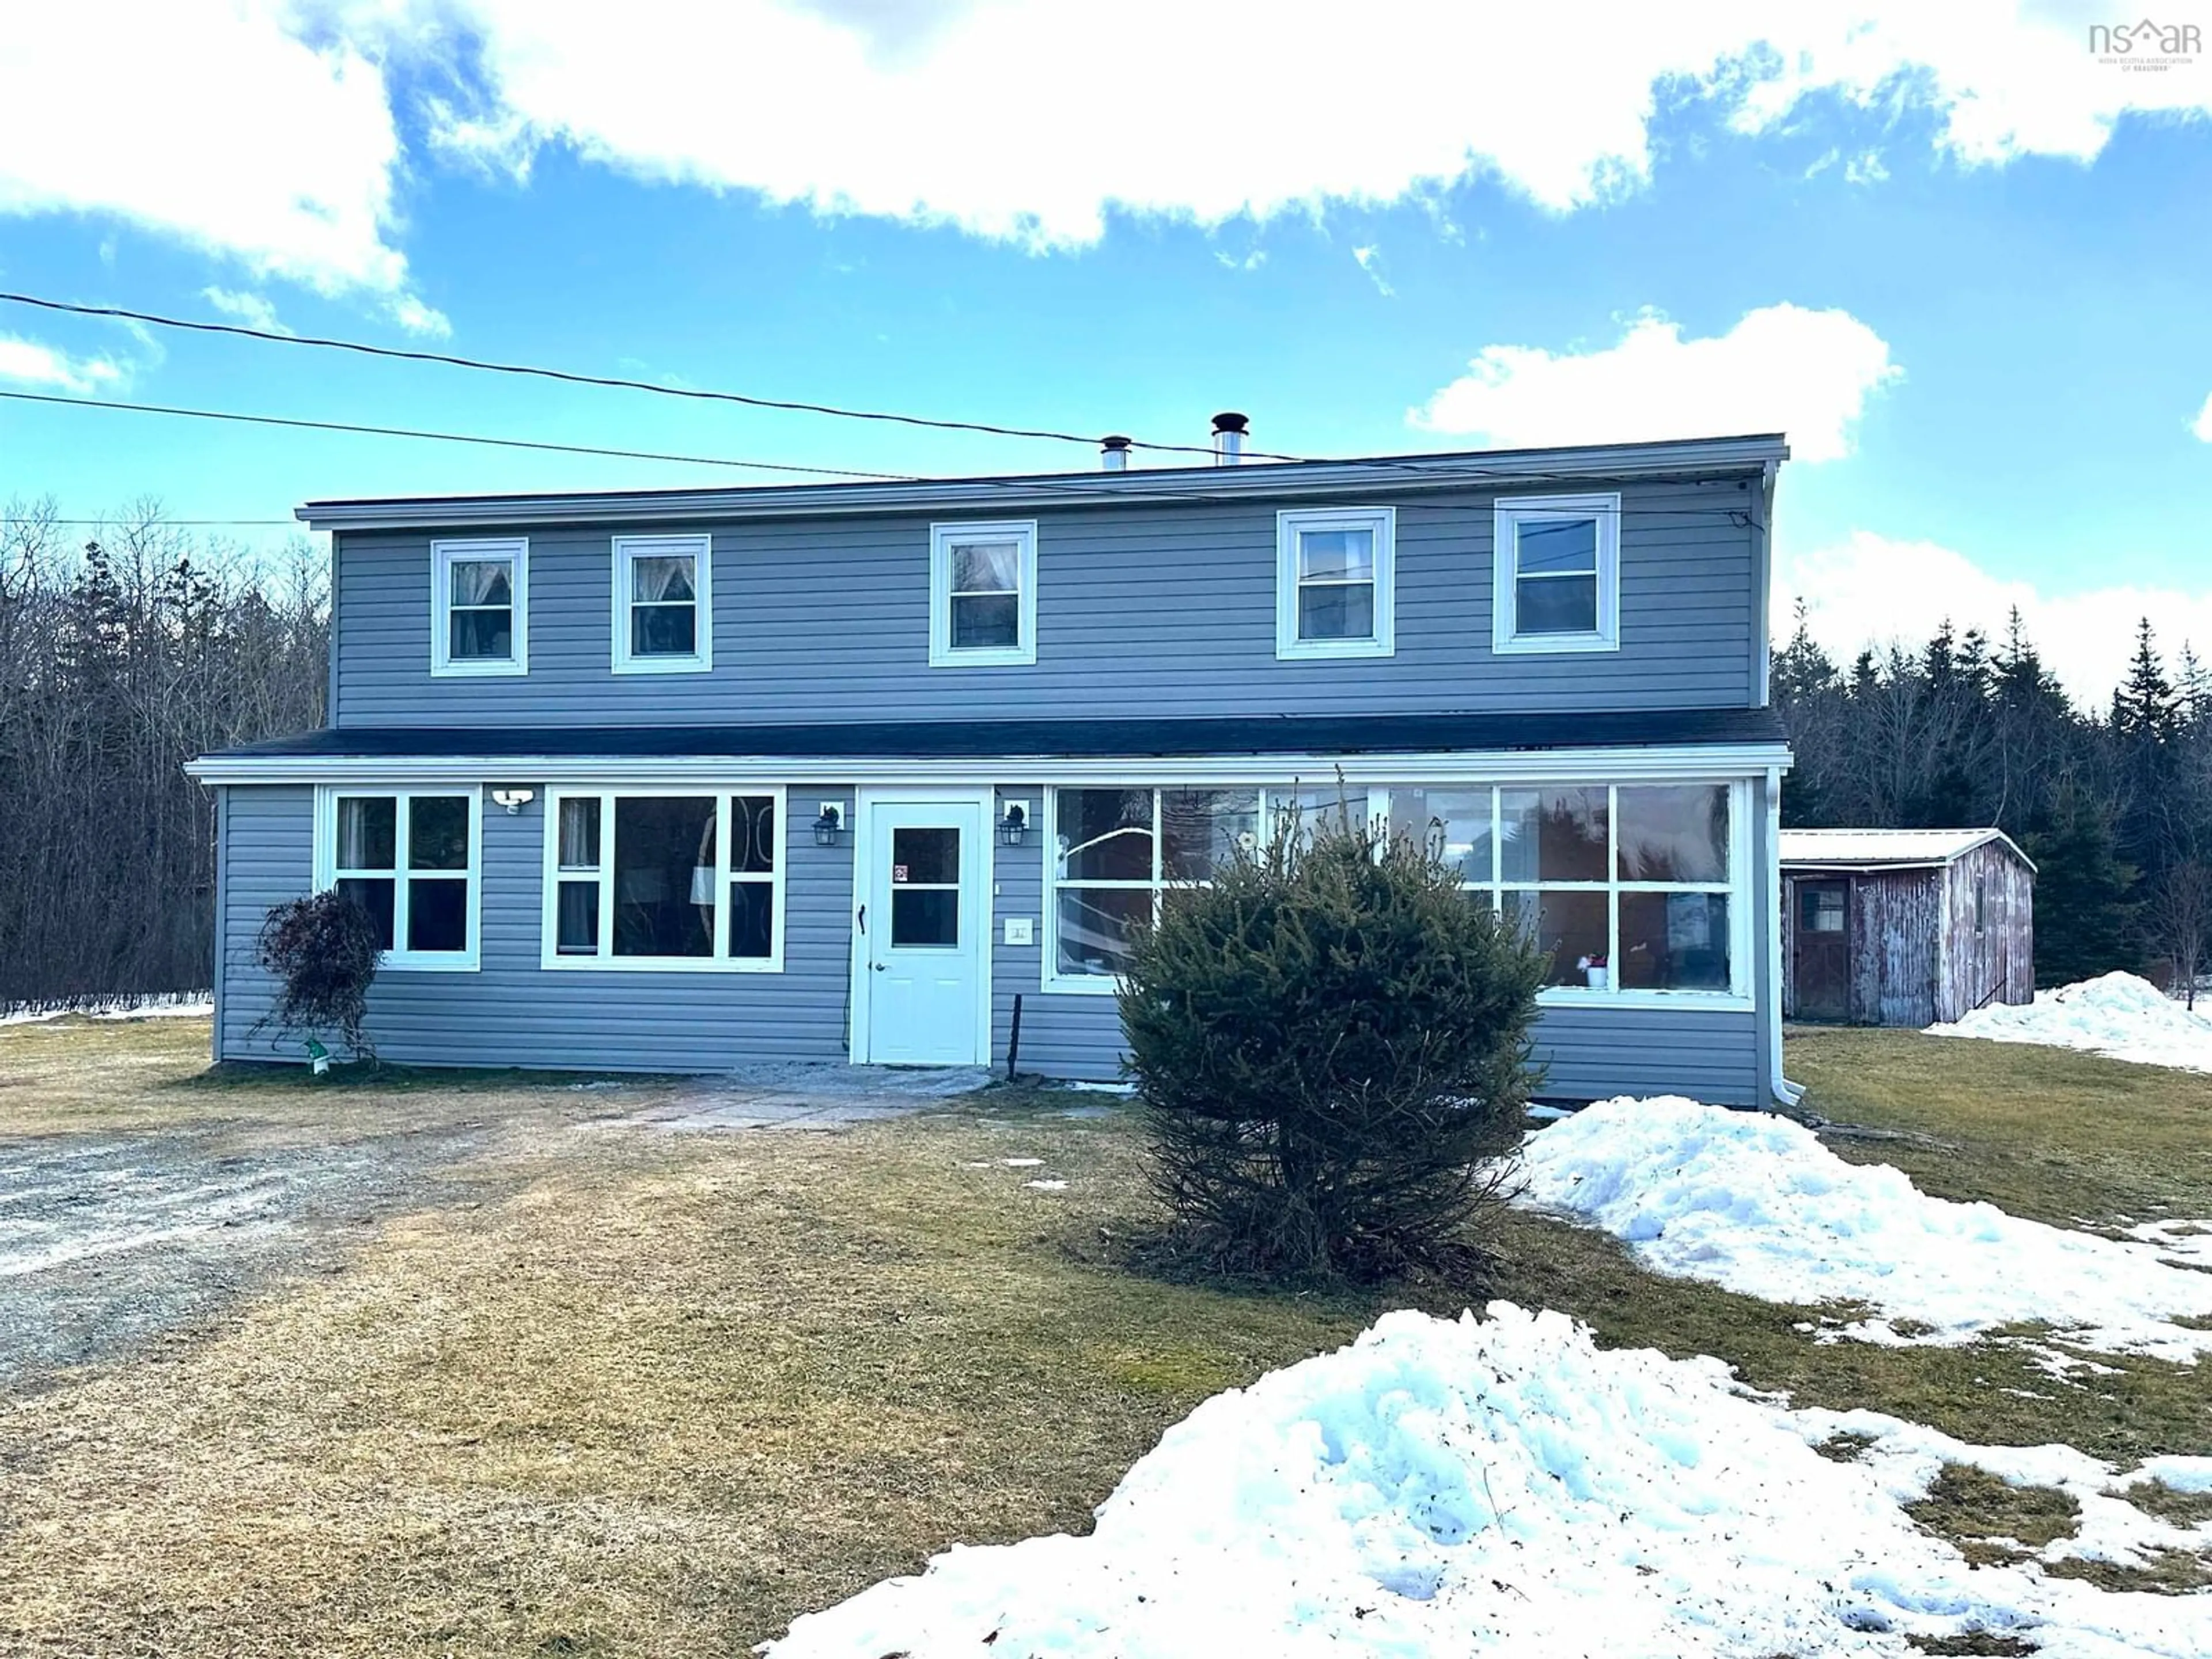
point(514, 800)
point(827, 826)
point(1015, 824)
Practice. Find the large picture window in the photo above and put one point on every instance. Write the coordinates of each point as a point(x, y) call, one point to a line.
point(409, 859)
point(670, 878)
point(1628, 887)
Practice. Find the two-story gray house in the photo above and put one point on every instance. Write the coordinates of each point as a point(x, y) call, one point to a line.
point(671, 780)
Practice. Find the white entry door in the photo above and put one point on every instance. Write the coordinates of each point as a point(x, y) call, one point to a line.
point(923, 933)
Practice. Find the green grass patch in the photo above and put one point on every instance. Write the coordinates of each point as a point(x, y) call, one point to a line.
point(2168, 1504)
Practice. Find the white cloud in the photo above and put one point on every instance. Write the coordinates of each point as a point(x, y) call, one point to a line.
point(1370, 261)
point(1783, 368)
point(27, 362)
point(1870, 590)
point(251, 309)
point(2202, 425)
point(411, 314)
point(211, 122)
point(264, 129)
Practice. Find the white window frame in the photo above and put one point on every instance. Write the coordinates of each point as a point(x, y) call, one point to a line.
point(604, 961)
point(443, 556)
point(327, 874)
point(1273, 805)
point(629, 548)
point(942, 540)
point(1288, 525)
point(1739, 887)
point(1508, 513)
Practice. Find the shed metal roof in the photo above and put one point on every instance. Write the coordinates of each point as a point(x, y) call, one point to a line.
point(1873, 849)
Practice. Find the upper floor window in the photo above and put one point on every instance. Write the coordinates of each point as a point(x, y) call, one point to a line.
point(982, 594)
point(411, 860)
point(664, 604)
point(1334, 582)
point(1558, 582)
point(479, 615)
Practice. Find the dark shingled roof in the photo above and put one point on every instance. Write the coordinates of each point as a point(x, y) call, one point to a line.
point(1071, 740)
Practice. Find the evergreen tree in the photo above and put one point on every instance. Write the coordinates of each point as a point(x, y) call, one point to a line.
point(2085, 910)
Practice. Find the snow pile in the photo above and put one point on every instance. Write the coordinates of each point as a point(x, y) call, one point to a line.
point(153, 1007)
point(1755, 1203)
point(1496, 1485)
point(2118, 1016)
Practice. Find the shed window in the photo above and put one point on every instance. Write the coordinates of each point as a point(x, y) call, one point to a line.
point(1981, 903)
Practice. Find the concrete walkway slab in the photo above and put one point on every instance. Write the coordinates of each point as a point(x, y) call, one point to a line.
point(790, 1096)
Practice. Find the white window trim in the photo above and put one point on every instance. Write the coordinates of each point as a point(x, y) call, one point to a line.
point(942, 537)
point(1739, 887)
point(629, 548)
point(397, 959)
point(1383, 521)
point(1274, 805)
point(1506, 517)
point(551, 956)
point(443, 554)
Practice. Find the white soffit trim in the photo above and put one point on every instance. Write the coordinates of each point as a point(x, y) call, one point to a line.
point(1702, 760)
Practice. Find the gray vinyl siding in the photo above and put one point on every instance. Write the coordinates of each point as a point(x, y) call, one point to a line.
point(1144, 609)
point(512, 1011)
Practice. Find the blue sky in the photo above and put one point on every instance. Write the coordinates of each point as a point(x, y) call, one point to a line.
point(1963, 261)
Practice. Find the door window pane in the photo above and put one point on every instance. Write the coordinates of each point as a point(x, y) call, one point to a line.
point(1570, 927)
point(1674, 942)
point(1678, 833)
point(1455, 823)
point(1554, 834)
point(1202, 829)
point(368, 832)
point(375, 896)
point(752, 920)
point(1820, 909)
point(438, 833)
point(1106, 835)
point(662, 906)
point(925, 917)
point(437, 914)
point(923, 856)
point(577, 928)
point(1093, 925)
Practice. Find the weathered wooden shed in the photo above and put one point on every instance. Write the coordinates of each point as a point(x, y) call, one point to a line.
point(1903, 927)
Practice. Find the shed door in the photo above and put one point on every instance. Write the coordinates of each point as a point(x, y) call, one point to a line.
point(1823, 967)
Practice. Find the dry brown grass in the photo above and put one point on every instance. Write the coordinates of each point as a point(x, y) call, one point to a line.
point(661, 1396)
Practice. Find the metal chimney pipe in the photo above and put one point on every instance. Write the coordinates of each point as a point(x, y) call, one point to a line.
point(1114, 454)
point(1229, 434)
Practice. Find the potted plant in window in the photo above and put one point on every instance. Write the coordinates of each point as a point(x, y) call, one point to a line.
point(1595, 974)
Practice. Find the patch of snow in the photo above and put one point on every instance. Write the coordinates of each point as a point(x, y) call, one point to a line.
point(1046, 1186)
point(1755, 1203)
point(1022, 1163)
point(1494, 1485)
point(2189, 1242)
point(1125, 1090)
point(2182, 1474)
point(1549, 1114)
point(189, 1006)
point(2118, 1016)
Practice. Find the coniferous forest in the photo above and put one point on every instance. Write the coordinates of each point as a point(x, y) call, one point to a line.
point(128, 648)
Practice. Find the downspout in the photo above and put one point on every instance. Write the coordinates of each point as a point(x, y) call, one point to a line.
point(1785, 1091)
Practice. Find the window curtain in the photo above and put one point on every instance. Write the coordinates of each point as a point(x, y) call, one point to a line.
point(662, 580)
point(482, 581)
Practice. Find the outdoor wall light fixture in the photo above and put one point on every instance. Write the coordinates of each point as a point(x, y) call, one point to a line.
point(1015, 824)
point(827, 826)
point(514, 800)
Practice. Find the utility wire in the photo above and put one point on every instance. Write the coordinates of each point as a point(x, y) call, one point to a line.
point(539, 372)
